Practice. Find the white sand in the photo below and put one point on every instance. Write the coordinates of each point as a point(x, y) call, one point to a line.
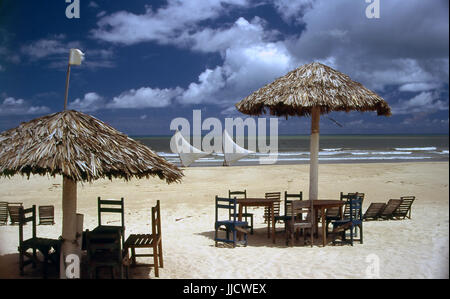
point(416, 248)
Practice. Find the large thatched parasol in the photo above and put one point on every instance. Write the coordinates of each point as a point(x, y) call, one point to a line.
point(313, 89)
point(81, 148)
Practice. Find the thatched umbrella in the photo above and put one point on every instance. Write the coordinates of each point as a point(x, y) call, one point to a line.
point(313, 89)
point(81, 148)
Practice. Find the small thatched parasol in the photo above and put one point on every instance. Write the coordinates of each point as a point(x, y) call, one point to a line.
point(313, 89)
point(80, 148)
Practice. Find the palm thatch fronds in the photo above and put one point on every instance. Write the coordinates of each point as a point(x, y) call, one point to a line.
point(312, 85)
point(79, 147)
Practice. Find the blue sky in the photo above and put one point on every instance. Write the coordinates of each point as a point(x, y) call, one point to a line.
point(148, 62)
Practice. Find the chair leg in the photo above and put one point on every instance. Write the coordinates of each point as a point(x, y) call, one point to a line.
point(21, 263)
point(160, 254)
point(251, 228)
point(155, 260)
point(361, 234)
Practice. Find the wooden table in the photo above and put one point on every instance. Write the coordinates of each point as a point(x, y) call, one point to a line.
point(322, 205)
point(259, 202)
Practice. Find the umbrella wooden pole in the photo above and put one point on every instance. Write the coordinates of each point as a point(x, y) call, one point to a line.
point(69, 229)
point(314, 154)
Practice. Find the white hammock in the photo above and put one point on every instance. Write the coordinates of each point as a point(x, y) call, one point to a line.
point(231, 151)
point(188, 154)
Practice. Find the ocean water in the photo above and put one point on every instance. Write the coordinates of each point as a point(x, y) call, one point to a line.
point(333, 149)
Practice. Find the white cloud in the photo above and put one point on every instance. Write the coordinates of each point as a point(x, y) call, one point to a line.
point(145, 97)
point(13, 106)
point(163, 25)
point(419, 86)
point(423, 103)
point(89, 103)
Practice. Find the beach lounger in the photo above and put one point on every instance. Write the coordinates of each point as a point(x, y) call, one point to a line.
point(404, 209)
point(245, 214)
point(389, 209)
point(46, 215)
point(232, 225)
point(276, 205)
point(354, 221)
point(3, 213)
point(374, 210)
point(13, 210)
point(49, 248)
point(104, 250)
point(297, 208)
point(152, 240)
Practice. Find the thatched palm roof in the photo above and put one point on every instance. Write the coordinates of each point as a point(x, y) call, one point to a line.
point(79, 147)
point(312, 85)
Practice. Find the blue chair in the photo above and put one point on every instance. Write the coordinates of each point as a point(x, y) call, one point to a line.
point(231, 225)
point(351, 221)
point(288, 198)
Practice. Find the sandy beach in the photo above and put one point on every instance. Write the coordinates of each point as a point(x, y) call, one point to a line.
point(416, 248)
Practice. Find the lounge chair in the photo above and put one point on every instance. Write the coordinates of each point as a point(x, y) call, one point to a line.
point(153, 240)
point(389, 209)
point(13, 210)
point(231, 225)
point(276, 205)
point(297, 208)
point(49, 248)
point(374, 210)
point(404, 209)
point(245, 214)
point(46, 215)
point(354, 221)
point(3, 213)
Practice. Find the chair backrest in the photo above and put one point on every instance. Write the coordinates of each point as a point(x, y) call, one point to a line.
point(3, 212)
point(374, 210)
point(103, 244)
point(24, 218)
point(288, 198)
point(405, 205)
point(13, 210)
point(298, 208)
point(156, 219)
point(237, 194)
point(228, 204)
point(391, 206)
point(355, 204)
point(46, 214)
point(104, 206)
point(276, 205)
point(347, 198)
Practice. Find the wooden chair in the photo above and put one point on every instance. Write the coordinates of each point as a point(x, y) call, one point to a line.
point(276, 205)
point(3, 213)
point(373, 211)
point(231, 225)
point(389, 209)
point(296, 223)
point(46, 215)
point(351, 223)
point(49, 248)
point(404, 209)
point(245, 214)
point(288, 198)
point(13, 210)
point(153, 240)
point(104, 250)
point(111, 206)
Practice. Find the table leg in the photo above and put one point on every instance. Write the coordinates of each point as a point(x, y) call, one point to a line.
point(269, 218)
point(273, 223)
point(316, 228)
point(240, 219)
point(324, 235)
